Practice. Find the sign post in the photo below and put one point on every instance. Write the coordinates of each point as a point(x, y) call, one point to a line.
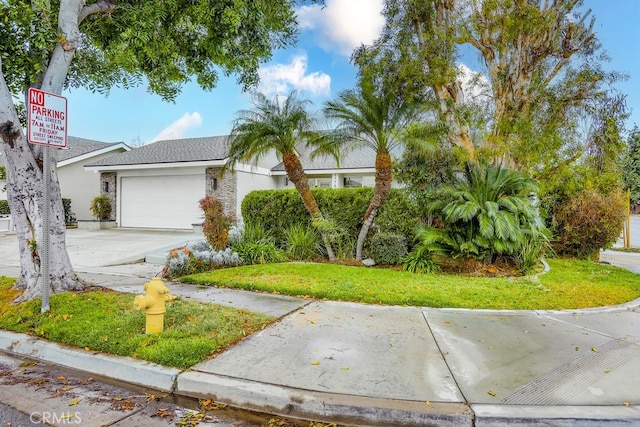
point(47, 125)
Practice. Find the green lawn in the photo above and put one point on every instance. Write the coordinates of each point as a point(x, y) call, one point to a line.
point(570, 284)
point(106, 321)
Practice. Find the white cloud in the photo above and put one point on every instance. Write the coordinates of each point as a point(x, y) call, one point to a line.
point(342, 25)
point(177, 129)
point(475, 86)
point(279, 79)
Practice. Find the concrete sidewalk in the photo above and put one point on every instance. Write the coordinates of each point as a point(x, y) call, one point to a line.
point(376, 365)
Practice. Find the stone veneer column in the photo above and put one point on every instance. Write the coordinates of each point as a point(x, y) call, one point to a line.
point(226, 190)
point(109, 178)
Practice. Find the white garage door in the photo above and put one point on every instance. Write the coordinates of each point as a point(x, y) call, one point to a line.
point(161, 202)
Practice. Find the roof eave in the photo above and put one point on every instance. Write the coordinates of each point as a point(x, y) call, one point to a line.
point(109, 168)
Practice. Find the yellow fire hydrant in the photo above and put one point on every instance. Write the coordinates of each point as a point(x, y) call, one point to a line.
point(153, 302)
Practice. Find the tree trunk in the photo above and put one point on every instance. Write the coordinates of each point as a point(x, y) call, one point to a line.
point(25, 180)
point(295, 173)
point(381, 191)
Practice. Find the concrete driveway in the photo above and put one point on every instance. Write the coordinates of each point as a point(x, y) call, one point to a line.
point(118, 250)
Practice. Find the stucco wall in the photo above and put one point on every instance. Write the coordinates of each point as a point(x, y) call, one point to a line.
point(248, 182)
point(80, 186)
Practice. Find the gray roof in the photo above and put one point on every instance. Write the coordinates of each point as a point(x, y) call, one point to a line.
point(80, 146)
point(172, 151)
point(359, 158)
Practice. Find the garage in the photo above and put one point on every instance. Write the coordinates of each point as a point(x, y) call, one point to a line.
point(169, 201)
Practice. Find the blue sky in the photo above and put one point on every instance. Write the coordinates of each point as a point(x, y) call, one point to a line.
point(319, 67)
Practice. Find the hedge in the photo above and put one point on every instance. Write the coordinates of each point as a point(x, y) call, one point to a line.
point(278, 210)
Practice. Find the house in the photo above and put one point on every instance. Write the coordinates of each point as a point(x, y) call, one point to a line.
point(75, 183)
point(159, 185)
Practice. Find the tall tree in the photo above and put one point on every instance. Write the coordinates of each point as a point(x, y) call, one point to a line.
point(630, 165)
point(100, 44)
point(542, 61)
point(372, 117)
point(280, 125)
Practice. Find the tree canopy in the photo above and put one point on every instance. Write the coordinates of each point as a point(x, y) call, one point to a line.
point(56, 44)
point(542, 61)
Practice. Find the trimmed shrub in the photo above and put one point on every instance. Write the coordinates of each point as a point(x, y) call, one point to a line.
point(588, 222)
point(388, 248)
point(4, 208)
point(343, 207)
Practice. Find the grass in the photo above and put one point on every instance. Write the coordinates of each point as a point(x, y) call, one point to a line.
point(570, 284)
point(106, 321)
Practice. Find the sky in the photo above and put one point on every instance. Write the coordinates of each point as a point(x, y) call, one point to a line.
point(318, 67)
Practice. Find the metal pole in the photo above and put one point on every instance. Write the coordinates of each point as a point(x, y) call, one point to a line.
point(46, 279)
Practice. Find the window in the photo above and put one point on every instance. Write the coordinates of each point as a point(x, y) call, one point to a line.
point(105, 186)
point(351, 182)
point(214, 184)
point(320, 182)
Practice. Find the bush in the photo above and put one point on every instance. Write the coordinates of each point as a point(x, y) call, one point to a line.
point(69, 217)
point(388, 248)
point(488, 212)
point(303, 243)
point(198, 257)
point(216, 223)
point(255, 245)
point(4, 208)
point(588, 222)
point(101, 207)
point(343, 208)
point(260, 252)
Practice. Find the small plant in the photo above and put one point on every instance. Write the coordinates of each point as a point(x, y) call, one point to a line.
point(257, 246)
point(101, 207)
point(260, 252)
point(388, 248)
point(419, 261)
point(198, 257)
point(216, 223)
point(69, 217)
point(303, 243)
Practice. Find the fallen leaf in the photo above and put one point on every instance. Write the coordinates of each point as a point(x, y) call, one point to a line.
point(61, 378)
point(626, 403)
point(491, 393)
point(595, 350)
point(428, 403)
point(577, 348)
point(346, 368)
point(74, 402)
point(315, 363)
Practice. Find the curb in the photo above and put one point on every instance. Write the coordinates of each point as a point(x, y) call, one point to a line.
point(584, 416)
point(309, 405)
point(120, 368)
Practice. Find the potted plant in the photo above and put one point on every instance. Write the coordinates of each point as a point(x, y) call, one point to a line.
point(101, 210)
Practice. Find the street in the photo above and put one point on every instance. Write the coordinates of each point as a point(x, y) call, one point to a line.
point(33, 393)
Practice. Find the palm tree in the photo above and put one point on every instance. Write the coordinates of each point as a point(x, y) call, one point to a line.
point(371, 118)
point(278, 125)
